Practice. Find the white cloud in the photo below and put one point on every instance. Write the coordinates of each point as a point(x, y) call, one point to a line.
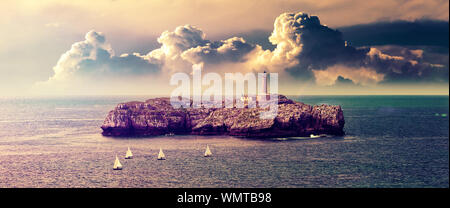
point(362, 76)
point(374, 53)
point(304, 48)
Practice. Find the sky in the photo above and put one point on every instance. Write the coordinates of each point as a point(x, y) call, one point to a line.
point(133, 47)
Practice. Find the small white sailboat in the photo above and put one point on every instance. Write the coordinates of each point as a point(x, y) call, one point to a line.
point(129, 155)
point(161, 155)
point(208, 152)
point(117, 165)
point(314, 136)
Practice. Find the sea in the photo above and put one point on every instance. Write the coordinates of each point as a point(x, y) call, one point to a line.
point(390, 141)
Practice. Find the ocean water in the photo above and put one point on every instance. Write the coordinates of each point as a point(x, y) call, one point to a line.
point(390, 141)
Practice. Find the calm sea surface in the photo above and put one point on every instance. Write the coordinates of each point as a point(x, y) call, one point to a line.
point(390, 141)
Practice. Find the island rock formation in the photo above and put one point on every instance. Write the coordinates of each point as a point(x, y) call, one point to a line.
point(157, 117)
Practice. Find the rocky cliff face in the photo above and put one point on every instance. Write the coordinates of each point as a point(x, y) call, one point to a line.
point(158, 117)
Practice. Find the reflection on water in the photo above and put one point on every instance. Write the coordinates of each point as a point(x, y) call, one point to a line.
point(389, 143)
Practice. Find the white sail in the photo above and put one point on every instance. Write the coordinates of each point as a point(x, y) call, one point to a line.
point(314, 136)
point(161, 155)
point(129, 155)
point(208, 152)
point(117, 165)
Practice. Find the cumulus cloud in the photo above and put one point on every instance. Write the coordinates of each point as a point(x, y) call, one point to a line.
point(406, 65)
point(187, 45)
point(303, 48)
point(181, 39)
point(303, 43)
point(405, 33)
point(361, 76)
point(341, 81)
point(231, 50)
point(95, 56)
point(93, 61)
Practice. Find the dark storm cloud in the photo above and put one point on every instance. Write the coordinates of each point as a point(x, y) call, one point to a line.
point(302, 47)
point(344, 82)
point(126, 65)
point(258, 37)
point(323, 47)
point(320, 47)
point(420, 32)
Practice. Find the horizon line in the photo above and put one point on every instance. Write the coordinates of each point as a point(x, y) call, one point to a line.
point(162, 95)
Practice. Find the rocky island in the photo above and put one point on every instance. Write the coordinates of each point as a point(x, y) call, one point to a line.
point(157, 117)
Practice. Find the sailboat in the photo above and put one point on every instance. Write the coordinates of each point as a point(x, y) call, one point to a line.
point(117, 165)
point(129, 155)
point(161, 155)
point(208, 152)
point(314, 136)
